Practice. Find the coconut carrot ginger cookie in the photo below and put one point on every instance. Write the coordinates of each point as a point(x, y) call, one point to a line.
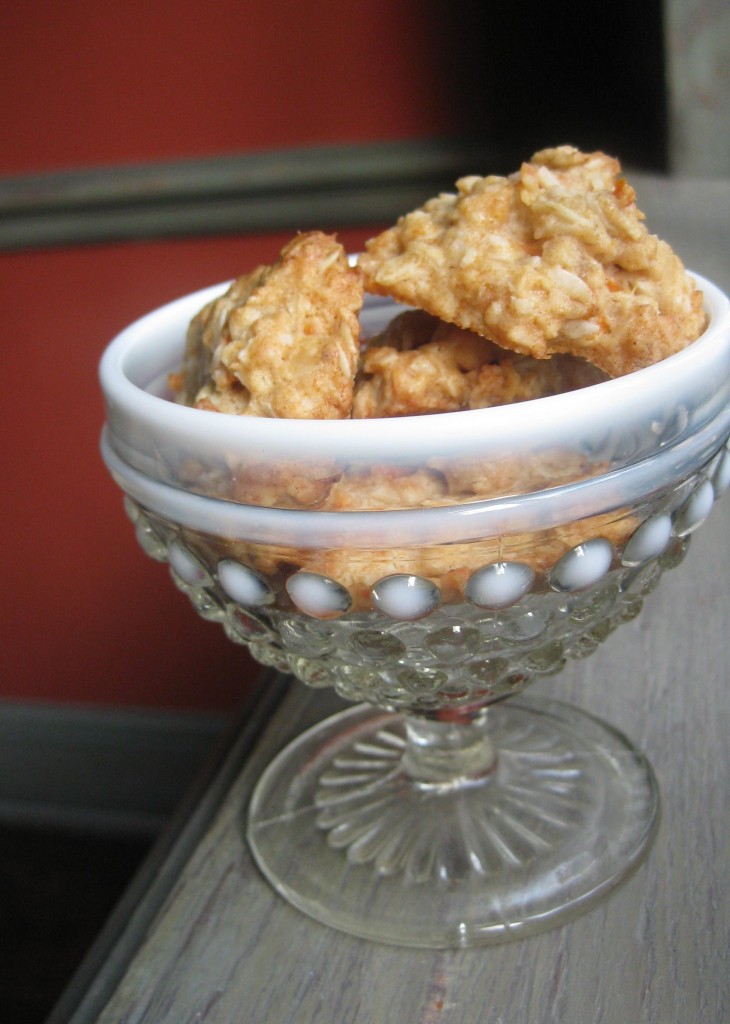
point(420, 364)
point(555, 258)
point(284, 339)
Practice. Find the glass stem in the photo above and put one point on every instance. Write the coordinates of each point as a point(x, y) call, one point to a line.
point(451, 751)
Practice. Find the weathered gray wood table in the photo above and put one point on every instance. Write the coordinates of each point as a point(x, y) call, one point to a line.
point(202, 937)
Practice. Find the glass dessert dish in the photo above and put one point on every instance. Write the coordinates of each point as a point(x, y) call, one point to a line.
point(433, 812)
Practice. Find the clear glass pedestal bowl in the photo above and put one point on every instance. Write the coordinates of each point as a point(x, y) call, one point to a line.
point(434, 812)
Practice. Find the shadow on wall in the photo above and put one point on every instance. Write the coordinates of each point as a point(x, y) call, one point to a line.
point(539, 74)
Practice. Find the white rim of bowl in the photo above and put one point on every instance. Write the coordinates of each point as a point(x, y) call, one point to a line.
point(457, 523)
point(353, 440)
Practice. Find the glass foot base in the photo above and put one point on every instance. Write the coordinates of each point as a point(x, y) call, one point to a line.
point(342, 832)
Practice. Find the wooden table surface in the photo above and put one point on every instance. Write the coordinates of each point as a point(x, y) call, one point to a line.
point(203, 938)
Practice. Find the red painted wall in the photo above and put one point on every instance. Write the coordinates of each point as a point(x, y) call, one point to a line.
point(85, 615)
point(89, 83)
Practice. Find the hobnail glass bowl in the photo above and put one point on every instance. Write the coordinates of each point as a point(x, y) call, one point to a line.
point(432, 814)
